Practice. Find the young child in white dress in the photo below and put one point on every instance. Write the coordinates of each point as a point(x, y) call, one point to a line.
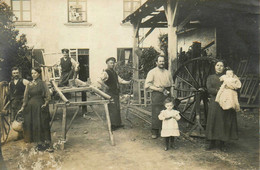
point(227, 96)
point(170, 126)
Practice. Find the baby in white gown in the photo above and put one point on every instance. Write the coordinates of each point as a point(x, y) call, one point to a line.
point(227, 95)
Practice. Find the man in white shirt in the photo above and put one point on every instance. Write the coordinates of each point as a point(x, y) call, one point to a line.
point(109, 80)
point(159, 80)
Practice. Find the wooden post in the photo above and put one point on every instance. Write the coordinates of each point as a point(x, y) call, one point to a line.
point(136, 26)
point(64, 119)
point(171, 7)
point(109, 124)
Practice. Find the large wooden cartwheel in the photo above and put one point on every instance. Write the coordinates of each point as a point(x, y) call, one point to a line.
point(190, 82)
point(4, 112)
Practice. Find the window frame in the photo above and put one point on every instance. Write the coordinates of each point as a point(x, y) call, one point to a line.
point(21, 10)
point(77, 3)
point(132, 6)
point(129, 60)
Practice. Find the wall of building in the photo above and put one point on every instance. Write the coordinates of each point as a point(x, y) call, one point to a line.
point(102, 36)
point(203, 35)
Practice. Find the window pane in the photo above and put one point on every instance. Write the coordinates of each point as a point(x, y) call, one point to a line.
point(127, 6)
point(127, 56)
point(16, 5)
point(126, 14)
point(83, 16)
point(136, 5)
point(26, 16)
point(17, 15)
point(26, 5)
point(82, 6)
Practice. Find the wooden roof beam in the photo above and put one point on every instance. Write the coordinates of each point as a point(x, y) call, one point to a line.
point(147, 8)
point(146, 35)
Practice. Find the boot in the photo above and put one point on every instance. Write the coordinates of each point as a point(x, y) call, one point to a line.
point(222, 146)
point(172, 143)
point(211, 145)
point(167, 139)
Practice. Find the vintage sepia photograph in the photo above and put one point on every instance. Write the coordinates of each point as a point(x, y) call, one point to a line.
point(129, 84)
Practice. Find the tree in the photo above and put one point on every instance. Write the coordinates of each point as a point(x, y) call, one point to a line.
point(163, 44)
point(147, 61)
point(13, 49)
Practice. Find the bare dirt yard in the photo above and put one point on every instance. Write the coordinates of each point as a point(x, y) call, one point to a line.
point(88, 147)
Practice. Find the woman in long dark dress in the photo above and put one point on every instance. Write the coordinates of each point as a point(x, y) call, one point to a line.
point(221, 124)
point(36, 112)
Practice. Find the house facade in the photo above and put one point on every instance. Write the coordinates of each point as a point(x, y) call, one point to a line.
point(91, 29)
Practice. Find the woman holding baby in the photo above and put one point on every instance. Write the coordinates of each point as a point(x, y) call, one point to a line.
point(222, 118)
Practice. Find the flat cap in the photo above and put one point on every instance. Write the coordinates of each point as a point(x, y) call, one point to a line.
point(111, 58)
point(65, 51)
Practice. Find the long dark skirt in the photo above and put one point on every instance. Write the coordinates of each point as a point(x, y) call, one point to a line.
point(114, 110)
point(36, 121)
point(221, 124)
point(157, 106)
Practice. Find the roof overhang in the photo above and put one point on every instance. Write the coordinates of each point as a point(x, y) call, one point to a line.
point(191, 12)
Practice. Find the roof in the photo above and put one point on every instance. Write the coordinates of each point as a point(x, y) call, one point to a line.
point(152, 13)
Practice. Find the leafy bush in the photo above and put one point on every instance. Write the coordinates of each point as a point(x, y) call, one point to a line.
point(147, 61)
point(13, 49)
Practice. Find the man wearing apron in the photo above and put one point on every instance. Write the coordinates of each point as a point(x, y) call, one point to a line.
point(68, 68)
point(159, 80)
point(109, 80)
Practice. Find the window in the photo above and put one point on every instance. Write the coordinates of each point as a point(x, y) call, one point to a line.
point(130, 6)
point(77, 10)
point(124, 55)
point(22, 10)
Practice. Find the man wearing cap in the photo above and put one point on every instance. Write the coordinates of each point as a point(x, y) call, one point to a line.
point(68, 68)
point(159, 80)
point(109, 80)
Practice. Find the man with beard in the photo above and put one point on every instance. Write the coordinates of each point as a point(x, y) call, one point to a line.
point(110, 83)
point(16, 92)
point(158, 80)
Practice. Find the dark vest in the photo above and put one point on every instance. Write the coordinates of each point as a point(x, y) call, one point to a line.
point(65, 65)
point(112, 81)
point(17, 90)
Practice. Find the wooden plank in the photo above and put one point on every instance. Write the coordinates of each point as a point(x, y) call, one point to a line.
point(146, 35)
point(109, 125)
point(140, 110)
point(63, 126)
point(81, 103)
point(75, 114)
point(101, 93)
point(96, 113)
point(59, 92)
point(76, 89)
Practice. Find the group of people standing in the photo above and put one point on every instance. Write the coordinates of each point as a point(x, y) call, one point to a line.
point(31, 99)
point(221, 120)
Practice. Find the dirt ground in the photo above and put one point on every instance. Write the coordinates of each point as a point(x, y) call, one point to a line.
point(88, 147)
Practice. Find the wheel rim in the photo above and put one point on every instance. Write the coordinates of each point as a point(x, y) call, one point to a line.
point(4, 115)
point(190, 82)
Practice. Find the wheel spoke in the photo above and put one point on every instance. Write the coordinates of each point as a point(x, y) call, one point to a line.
point(200, 74)
point(188, 71)
point(186, 81)
point(188, 97)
